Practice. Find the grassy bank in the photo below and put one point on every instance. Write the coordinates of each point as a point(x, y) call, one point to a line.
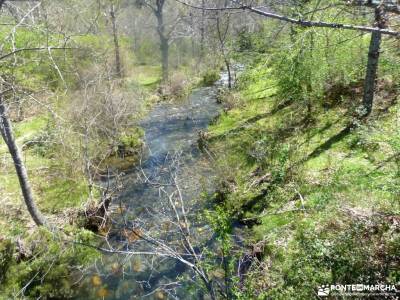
point(317, 187)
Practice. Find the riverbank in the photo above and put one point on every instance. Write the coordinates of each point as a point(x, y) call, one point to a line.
point(317, 193)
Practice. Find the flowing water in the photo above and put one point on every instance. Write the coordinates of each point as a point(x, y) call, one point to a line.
point(143, 209)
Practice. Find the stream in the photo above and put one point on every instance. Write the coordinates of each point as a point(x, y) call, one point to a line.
point(142, 214)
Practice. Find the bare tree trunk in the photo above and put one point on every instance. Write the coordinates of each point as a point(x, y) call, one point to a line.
point(164, 42)
point(8, 137)
point(202, 30)
point(157, 9)
point(116, 42)
point(228, 68)
point(373, 60)
point(164, 46)
point(222, 38)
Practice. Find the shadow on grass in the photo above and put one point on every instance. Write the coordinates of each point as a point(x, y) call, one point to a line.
point(249, 121)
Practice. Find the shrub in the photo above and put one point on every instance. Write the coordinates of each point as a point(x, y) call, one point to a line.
point(210, 77)
point(130, 142)
point(177, 86)
point(45, 267)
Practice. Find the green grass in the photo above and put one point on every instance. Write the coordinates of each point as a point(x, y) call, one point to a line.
point(146, 75)
point(53, 190)
point(61, 193)
point(30, 127)
point(318, 213)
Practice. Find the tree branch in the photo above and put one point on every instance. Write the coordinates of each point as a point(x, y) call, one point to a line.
point(35, 49)
point(300, 22)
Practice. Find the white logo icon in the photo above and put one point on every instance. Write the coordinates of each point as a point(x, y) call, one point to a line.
point(323, 290)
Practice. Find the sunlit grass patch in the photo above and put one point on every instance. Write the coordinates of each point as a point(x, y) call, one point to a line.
point(53, 191)
point(56, 194)
point(30, 126)
point(146, 75)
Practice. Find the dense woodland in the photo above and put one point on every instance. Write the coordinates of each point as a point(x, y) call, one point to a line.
point(301, 151)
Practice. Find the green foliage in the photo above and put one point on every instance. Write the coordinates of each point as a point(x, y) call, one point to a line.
point(6, 257)
point(221, 224)
point(221, 265)
point(278, 170)
point(145, 54)
point(327, 217)
point(30, 127)
point(38, 136)
point(316, 63)
point(46, 266)
point(325, 256)
point(132, 139)
point(147, 76)
point(210, 77)
point(34, 68)
point(43, 264)
point(245, 40)
point(55, 68)
point(60, 193)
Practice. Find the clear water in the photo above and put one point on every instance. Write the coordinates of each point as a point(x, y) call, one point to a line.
point(143, 210)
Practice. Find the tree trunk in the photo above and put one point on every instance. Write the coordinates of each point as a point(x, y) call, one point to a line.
point(164, 47)
point(6, 133)
point(228, 69)
point(164, 41)
point(116, 42)
point(221, 38)
point(202, 30)
point(373, 60)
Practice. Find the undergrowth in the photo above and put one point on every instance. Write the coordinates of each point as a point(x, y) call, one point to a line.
point(317, 186)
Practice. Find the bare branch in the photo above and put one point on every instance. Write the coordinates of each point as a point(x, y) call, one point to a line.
point(300, 22)
point(34, 49)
